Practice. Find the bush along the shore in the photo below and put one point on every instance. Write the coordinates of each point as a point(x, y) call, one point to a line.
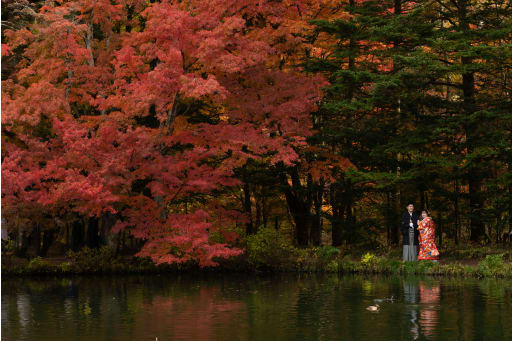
point(85, 261)
point(490, 266)
point(266, 252)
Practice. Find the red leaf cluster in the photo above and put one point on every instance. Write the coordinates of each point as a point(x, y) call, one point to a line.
point(94, 73)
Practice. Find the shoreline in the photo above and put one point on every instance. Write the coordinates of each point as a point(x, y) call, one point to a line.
point(94, 262)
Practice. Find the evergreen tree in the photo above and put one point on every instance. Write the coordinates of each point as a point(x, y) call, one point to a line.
point(419, 102)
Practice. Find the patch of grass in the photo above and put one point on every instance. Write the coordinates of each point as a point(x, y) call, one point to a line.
point(39, 266)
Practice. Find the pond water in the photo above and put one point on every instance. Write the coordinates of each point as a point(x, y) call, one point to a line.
point(250, 307)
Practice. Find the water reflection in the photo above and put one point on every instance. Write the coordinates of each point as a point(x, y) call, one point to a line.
point(429, 298)
point(423, 301)
point(411, 298)
point(255, 308)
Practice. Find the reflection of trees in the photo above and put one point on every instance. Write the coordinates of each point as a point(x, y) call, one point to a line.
point(254, 308)
point(194, 317)
point(120, 309)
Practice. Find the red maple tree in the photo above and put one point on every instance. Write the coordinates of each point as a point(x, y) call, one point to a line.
point(145, 110)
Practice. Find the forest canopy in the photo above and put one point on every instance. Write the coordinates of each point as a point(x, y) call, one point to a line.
point(176, 129)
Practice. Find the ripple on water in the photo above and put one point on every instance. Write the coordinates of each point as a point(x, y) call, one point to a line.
point(232, 307)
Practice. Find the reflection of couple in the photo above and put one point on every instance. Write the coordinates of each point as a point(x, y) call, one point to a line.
point(418, 230)
point(429, 295)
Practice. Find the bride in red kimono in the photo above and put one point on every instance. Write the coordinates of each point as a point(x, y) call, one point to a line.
point(427, 248)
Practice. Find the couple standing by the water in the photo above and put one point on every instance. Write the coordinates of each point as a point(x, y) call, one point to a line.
point(418, 232)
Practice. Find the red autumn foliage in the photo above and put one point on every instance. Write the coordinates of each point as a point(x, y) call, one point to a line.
point(110, 95)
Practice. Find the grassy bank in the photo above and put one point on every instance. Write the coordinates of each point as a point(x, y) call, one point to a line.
point(490, 266)
point(284, 259)
point(86, 261)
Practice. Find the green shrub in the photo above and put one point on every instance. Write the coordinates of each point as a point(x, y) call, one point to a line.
point(387, 265)
point(347, 265)
point(492, 265)
point(410, 268)
point(89, 260)
point(368, 259)
point(454, 269)
point(270, 248)
point(65, 267)
point(470, 270)
point(333, 266)
point(328, 252)
point(424, 266)
point(8, 246)
point(40, 266)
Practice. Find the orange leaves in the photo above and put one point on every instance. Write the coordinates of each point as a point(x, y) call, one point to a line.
point(26, 107)
point(326, 165)
point(197, 87)
point(16, 39)
point(325, 169)
point(6, 50)
point(185, 237)
point(154, 119)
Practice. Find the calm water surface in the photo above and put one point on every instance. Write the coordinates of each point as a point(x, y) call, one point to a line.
point(250, 307)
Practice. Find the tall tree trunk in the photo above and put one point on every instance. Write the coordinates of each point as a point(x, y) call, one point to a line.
point(457, 216)
point(510, 210)
point(249, 228)
point(92, 237)
point(21, 243)
point(395, 199)
point(77, 234)
point(389, 218)
point(299, 200)
point(34, 243)
point(349, 220)
point(258, 213)
point(105, 224)
point(316, 225)
point(264, 210)
point(48, 238)
point(474, 174)
point(338, 221)
point(440, 230)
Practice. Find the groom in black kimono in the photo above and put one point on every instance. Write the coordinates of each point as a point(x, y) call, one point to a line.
point(410, 233)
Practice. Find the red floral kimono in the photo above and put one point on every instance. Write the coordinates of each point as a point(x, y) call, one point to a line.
point(428, 248)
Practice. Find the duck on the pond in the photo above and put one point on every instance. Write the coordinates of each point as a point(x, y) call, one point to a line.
point(373, 307)
point(380, 300)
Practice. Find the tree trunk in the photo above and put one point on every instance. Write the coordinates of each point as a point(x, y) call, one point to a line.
point(77, 235)
point(474, 176)
point(316, 226)
point(92, 238)
point(457, 217)
point(350, 221)
point(34, 243)
point(105, 224)
point(22, 243)
point(389, 220)
point(258, 213)
point(337, 220)
point(395, 218)
point(440, 230)
point(48, 238)
point(249, 229)
point(299, 204)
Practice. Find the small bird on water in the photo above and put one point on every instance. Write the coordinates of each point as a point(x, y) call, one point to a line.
point(379, 300)
point(373, 307)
